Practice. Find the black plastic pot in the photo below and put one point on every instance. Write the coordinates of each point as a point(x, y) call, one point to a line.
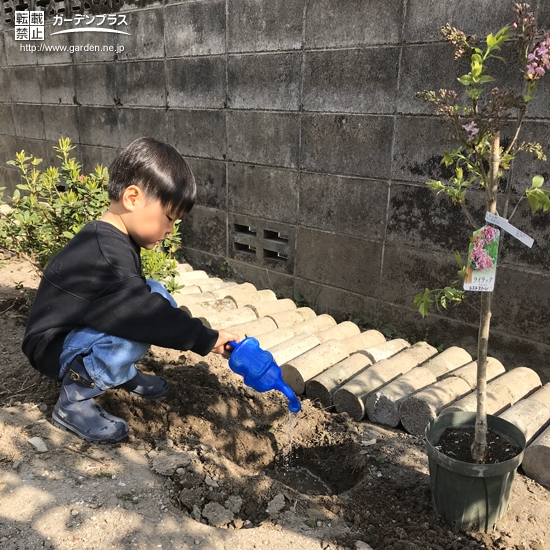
point(471, 497)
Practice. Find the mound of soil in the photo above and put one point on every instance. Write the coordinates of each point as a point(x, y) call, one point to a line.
point(217, 465)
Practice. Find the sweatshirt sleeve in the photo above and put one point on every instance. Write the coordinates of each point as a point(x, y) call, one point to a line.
point(130, 310)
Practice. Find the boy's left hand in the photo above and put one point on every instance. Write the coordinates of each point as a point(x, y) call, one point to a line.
point(222, 344)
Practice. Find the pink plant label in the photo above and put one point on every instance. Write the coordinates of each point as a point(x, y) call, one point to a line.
point(482, 260)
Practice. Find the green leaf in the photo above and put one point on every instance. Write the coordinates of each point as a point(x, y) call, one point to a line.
point(537, 181)
point(465, 80)
point(491, 40)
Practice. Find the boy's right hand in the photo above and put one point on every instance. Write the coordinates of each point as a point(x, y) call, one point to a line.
point(222, 346)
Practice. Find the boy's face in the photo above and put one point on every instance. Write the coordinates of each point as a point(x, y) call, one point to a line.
point(150, 223)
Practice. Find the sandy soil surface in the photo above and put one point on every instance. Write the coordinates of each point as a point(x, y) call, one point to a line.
point(215, 465)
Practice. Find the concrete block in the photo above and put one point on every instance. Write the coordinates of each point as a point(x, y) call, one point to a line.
point(343, 205)
point(410, 270)
point(3, 60)
point(10, 178)
point(531, 414)
point(188, 275)
point(273, 306)
point(263, 277)
point(353, 23)
point(86, 50)
point(322, 256)
point(410, 222)
point(56, 84)
point(342, 331)
point(353, 145)
point(425, 18)
point(323, 386)
point(351, 81)
point(253, 328)
point(203, 309)
point(263, 192)
point(6, 116)
point(92, 156)
point(61, 121)
point(13, 54)
point(228, 318)
point(195, 28)
point(141, 83)
point(265, 25)
point(340, 302)
point(366, 340)
point(205, 229)
point(526, 290)
point(417, 410)
point(242, 289)
point(274, 337)
point(134, 123)
point(293, 347)
point(351, 397)
point(383, 405)
point(263, 242)
point(211, 182)
point(197, 133)
point(266, 81)
point(95, 84)
point(267, 295)
point(263, 138)
point(5, 84)
point(502, 392)
point(196, 82)
point(448, 360)
point(297, 371)
point(315, 324)
point(60, 42)
point(29, 121)
point(444, 71)
point(8, 147)
point(536, 459)
point(290, 318)
point(418, 160)
point(145, 26)
point(197, 297)
point(25, 87)
point(212, 283)
point(468, 372)
point(99, 126)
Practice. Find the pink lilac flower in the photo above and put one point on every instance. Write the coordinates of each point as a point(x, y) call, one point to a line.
point(471, 130)
point(488, 234)
point(480, 259)
point(539, 59)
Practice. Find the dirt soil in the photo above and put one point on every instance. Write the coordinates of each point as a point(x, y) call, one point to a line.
point(215, 465)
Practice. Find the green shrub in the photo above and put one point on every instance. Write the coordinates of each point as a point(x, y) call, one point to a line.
point(51, 206)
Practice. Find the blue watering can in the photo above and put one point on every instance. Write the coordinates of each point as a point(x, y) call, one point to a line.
point(260, 371)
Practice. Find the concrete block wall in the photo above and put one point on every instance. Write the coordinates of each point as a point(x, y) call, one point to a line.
point(299, 120)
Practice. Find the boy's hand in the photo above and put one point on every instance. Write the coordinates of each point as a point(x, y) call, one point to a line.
point(222, 344)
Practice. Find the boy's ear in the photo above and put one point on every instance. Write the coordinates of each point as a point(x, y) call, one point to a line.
point(131, 196)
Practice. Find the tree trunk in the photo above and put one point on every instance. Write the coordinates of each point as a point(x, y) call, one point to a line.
point(479, 446)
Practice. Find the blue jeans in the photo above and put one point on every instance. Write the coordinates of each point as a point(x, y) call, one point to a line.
point(109, 360)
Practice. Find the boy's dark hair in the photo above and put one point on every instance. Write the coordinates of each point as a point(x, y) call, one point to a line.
point(158, 170)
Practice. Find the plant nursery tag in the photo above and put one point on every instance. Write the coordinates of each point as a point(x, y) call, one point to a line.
point(509, 228)
point(482, 260)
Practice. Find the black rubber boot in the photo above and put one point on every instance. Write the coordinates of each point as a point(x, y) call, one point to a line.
point(76, 410)
point(146, 385)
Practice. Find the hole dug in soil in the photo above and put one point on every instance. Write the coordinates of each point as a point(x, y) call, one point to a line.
point(230, 463)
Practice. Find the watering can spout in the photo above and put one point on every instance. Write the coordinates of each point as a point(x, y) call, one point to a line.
point(260, 371)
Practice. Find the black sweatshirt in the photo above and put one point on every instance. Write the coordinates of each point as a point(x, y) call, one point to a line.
point(96, 282)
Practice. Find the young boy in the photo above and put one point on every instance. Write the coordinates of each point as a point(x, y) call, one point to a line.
point(94, 315)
